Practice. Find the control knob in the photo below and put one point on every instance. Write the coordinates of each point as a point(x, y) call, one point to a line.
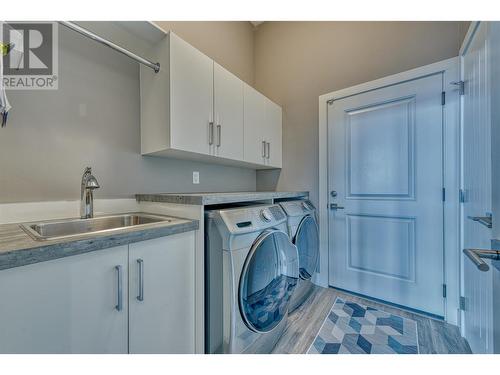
point(265, 215)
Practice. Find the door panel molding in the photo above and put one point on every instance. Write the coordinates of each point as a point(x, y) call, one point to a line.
point(406, 270)
point(449, 69)
point(366, 148)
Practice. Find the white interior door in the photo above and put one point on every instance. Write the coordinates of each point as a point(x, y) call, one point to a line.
point(191, 98)
point(476, 185)
point(386, 170)
point(228, 105)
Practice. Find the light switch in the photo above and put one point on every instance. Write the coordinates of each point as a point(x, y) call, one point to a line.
point(196, 177)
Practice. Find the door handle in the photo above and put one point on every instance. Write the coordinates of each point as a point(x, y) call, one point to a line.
point(477, 255)
point(219, 131)
point(268, 149)
point(485, 220)
point(211, 133)
point(335, 206)
point(263, 149)
point(140, 296)
point(119, 280)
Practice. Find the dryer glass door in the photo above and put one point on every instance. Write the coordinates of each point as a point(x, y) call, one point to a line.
point(268, 278)
point(307, 242)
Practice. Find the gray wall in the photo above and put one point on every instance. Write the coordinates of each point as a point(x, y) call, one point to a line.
point(296, 62)
point(51, 136)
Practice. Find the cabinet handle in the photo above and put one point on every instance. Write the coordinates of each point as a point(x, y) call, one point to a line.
point(140, 296)
point(263, 149)
point(219, 131)
point(119, 304)
point(268, 149)
point(211, 133)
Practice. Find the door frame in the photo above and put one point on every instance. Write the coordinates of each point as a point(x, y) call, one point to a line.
point(451, 172)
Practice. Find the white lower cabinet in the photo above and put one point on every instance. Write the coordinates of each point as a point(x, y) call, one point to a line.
point(86, 304)
point(68, 305)
point(162, 298)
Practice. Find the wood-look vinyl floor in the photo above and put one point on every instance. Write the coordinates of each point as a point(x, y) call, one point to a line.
point(434, 336)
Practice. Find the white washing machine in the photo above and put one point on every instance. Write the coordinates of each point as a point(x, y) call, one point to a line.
point(251, 272)
point(303, 231)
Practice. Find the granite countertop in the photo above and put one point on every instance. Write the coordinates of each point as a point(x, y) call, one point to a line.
point(17, 248)
point(219, 198)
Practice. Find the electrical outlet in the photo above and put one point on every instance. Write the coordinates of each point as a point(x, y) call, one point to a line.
point(196, 177)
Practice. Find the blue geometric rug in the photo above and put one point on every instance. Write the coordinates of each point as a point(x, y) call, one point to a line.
point(353, 328)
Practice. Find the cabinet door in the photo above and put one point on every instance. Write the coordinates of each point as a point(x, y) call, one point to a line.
point(228, 104)
point(253, 124)
point(191, 97)
point(67, 305)
point(273, 134)
point(162, 295)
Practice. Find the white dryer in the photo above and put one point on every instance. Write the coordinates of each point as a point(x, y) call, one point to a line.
point(303, 231)
point(251, 272)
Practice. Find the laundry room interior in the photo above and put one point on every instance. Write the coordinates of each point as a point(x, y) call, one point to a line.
point(322, 186)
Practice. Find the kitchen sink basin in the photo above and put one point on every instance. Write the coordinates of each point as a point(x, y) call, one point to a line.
point(57, 229)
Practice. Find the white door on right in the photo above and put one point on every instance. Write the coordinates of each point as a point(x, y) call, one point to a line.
point(385, 169)
point(476, 154)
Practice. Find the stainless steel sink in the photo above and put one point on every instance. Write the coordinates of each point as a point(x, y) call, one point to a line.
point(57, 229)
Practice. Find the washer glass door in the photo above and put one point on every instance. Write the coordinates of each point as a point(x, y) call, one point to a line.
point(268, 278)
point(307, 242)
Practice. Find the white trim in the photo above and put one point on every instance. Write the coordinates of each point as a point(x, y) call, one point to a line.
point(450, 70)
point(474, 25)
point(471, 32)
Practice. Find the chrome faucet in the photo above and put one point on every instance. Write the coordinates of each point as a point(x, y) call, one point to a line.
point(89, 183)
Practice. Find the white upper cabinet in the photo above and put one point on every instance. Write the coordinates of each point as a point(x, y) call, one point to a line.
point(195, 109)
point(254, 125)
point(177, 102)
point(191, 97)
point(262, 129)
point(228, 114)
point(273, 135)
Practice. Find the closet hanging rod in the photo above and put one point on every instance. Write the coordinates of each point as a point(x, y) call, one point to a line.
point(97, 38)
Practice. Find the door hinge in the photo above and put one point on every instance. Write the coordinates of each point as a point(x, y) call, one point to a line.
point(462, 303)
point(444, 290)
point(443, 98)
point(461, 196)
point(444, 194)
point(460, 85)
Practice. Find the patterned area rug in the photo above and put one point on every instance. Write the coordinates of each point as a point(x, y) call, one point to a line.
point(352, 328)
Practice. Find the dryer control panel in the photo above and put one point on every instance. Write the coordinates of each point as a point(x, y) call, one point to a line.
point(299, 207)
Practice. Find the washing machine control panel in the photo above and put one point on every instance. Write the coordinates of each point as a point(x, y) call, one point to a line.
point(252, 218)
point(266, 215)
